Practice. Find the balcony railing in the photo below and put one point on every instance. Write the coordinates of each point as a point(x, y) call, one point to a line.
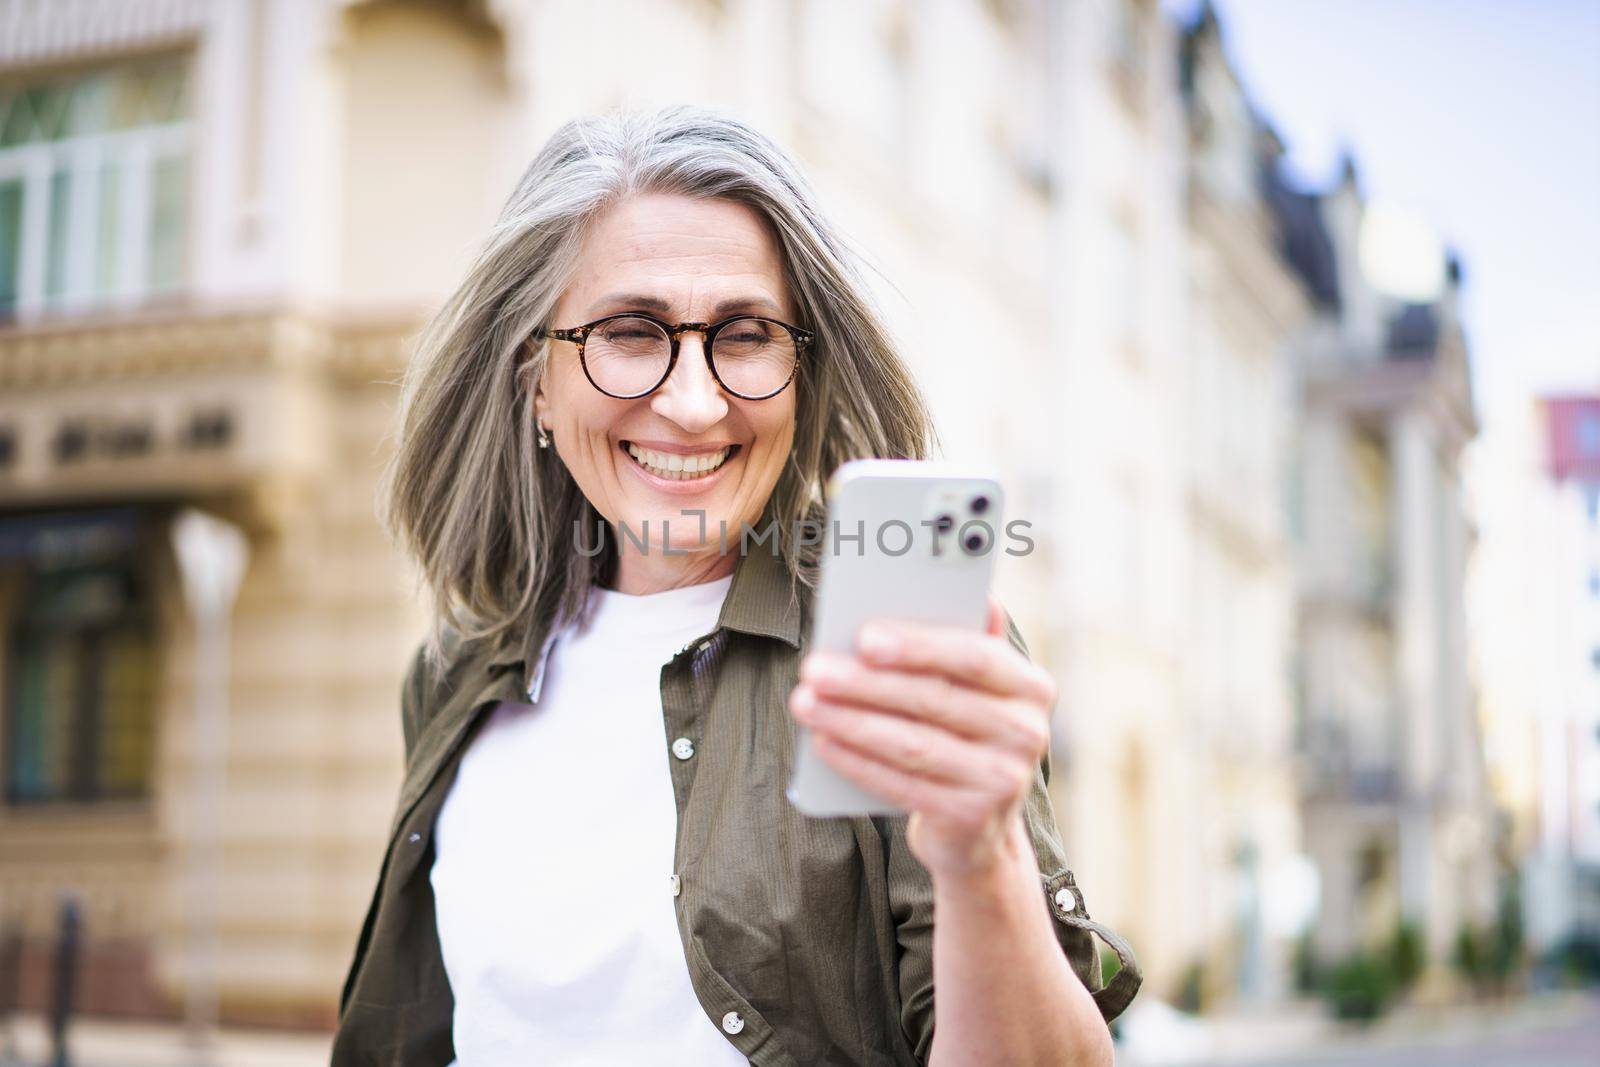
point(1345, 764)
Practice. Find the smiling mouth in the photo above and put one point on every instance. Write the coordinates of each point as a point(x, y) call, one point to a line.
point(676, 467)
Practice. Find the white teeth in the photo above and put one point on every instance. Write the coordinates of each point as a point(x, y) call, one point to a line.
point(677, 467)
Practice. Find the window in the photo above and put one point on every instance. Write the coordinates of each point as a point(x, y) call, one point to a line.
point(1129, 51)
point(1294, 495)
point(80, 678)
point(93, 187)
point(853, 70)
point(1589, 435)
point(1122, 278)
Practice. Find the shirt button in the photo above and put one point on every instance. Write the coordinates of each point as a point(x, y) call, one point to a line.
point(683, 748)
point(1065, 900)
point(732, 1022)
point(677, 884)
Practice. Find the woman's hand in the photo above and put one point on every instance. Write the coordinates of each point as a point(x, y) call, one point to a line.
point(948, 724)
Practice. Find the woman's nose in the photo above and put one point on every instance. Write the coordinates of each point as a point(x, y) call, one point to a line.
point(690, 396)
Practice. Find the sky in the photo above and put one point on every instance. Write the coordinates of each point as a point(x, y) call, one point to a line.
point(1483, 116)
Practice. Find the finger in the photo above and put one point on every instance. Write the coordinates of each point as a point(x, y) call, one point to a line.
point(985, 660)
point(909, 791)
point(997, 617)
point(973, 713)
point(922, 750)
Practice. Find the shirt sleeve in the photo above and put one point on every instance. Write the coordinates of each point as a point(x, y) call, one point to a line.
point(911, 905)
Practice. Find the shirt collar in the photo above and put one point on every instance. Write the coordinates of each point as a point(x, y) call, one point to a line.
point(761, 601)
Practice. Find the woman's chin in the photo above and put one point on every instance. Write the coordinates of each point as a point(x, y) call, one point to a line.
point(687, 529)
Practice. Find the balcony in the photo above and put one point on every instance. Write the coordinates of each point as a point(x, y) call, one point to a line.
point(177, 404)
point(1343, 765)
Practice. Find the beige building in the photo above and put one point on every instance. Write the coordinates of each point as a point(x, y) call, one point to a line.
point(1110, 606)
point(1397, 810)
point(1246, 305)
point(185, 329)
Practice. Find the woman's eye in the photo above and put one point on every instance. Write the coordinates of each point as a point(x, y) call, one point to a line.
point(632, 337)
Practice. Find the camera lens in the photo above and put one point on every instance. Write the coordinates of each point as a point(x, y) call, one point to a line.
point(979, 505)
point(975, 537)
point(944, 522)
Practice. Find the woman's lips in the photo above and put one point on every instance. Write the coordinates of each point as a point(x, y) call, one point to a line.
point(676, 482)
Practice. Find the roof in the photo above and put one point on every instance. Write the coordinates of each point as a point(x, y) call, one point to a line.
point(1413, 332)
point(1303, 237)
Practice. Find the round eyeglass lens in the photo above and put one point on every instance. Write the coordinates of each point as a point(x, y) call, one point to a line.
point(753, 357)
point(628, 356)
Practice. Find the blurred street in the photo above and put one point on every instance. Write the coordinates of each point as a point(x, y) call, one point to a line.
point(1549, 1032)
point(1553, 1030)
point(1571, 1044)
point(109, 1043)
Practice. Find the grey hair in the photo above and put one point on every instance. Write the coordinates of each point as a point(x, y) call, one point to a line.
point(488, 516)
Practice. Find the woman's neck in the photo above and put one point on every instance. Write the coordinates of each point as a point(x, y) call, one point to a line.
point(642, 573)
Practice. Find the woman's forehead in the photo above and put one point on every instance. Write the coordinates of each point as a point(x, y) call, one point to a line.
point(666, 251)
point(644, 212)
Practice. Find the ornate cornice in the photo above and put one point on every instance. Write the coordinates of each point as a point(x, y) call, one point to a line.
point(41, 32)
point(167, 406)
point(62, 354)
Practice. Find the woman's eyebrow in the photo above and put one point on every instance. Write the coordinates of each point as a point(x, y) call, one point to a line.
point(640, 302)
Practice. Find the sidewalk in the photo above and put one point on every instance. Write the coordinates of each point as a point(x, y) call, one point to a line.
point(106, 1043)
point(1155, 1034)
point(1513, 1029)
point(1302, 1033)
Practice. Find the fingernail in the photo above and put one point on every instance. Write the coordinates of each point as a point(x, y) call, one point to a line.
point(821, 667)
point(803, 702)
point(876, 641)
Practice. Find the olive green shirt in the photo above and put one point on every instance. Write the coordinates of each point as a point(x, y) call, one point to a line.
point(808, 941)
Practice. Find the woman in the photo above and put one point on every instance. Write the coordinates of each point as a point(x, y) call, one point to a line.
point(593, 860)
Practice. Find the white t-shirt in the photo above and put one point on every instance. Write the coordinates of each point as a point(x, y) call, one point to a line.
point(552, 878)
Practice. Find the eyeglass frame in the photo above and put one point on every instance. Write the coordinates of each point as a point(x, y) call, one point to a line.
point(579, 335)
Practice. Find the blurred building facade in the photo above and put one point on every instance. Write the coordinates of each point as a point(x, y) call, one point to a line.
point(193, 319)
point(1247, 307)
point(1563, 519)
point(1397, 812)
point(220, 223)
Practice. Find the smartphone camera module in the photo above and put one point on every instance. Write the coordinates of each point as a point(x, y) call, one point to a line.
point(951, 514)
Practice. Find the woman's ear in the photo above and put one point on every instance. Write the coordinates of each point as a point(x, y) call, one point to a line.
point(541, 403)
point(541, 406)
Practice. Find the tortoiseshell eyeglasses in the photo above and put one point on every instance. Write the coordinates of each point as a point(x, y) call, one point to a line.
point(630, 355)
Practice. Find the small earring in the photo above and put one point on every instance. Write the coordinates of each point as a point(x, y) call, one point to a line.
point(544, 439)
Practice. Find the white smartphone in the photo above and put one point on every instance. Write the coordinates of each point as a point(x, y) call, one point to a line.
point(906, 539)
